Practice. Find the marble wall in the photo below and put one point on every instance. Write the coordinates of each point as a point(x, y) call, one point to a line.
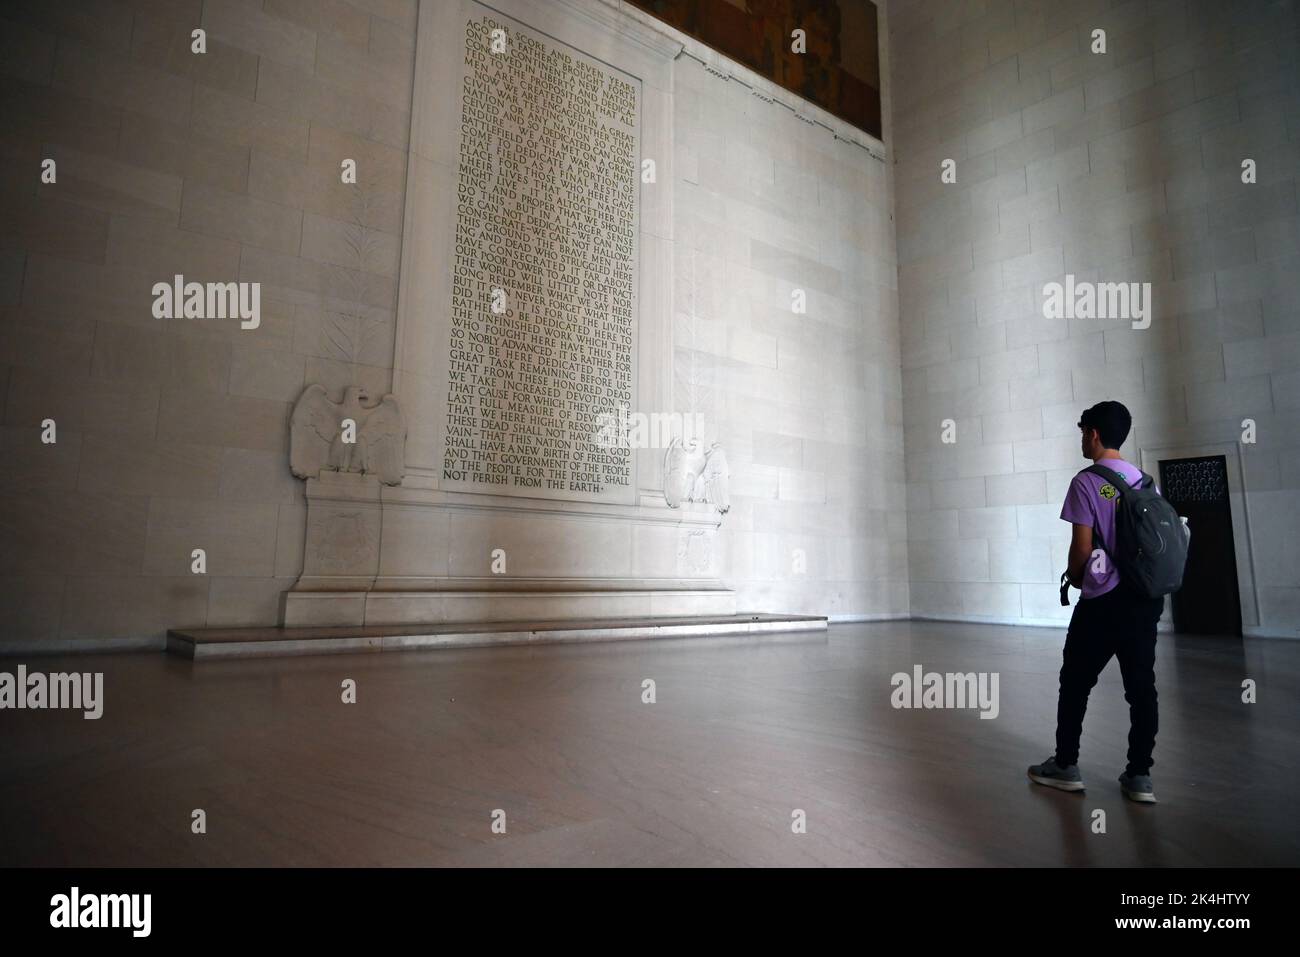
point(1115, 167)
point(173, 434)
point(809, 404)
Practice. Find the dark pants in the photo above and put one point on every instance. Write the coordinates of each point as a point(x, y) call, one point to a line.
point(1122, 624)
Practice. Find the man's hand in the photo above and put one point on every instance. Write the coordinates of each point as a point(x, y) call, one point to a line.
point(1080, 553)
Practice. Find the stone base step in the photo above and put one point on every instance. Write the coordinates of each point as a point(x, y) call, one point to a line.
point(202, 644)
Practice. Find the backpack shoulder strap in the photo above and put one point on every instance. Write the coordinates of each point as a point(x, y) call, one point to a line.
point(1114, 478)
point(1110, 475)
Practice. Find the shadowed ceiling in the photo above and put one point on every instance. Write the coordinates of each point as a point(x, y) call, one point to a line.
point(840, 70)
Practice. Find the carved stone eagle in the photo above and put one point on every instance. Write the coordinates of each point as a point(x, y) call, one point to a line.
point(693, 473)
point(375, 443)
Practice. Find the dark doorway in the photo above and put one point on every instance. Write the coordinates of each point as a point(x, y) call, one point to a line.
point(1208, 603)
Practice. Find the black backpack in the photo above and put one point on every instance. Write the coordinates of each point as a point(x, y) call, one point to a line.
point(1150, 550)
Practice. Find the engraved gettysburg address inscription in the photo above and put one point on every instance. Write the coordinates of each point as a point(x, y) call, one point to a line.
point(544, 268)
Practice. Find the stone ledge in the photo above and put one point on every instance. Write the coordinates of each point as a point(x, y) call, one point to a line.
point(202, 644)
point(417, 491)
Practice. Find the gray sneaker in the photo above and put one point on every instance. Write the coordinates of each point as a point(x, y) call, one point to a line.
point(1054, 776)
point(1137, 787)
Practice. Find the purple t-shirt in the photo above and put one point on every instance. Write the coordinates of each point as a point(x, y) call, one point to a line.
point(1091, 501)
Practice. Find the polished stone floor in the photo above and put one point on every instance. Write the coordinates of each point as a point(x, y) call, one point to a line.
point(743, 732)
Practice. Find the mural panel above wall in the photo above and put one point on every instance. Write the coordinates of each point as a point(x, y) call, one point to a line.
point(834, 63)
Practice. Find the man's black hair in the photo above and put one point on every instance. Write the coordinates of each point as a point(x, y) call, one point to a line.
point(1111, 420)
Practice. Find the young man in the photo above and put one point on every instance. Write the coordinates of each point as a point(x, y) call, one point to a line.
point(1109, 620)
